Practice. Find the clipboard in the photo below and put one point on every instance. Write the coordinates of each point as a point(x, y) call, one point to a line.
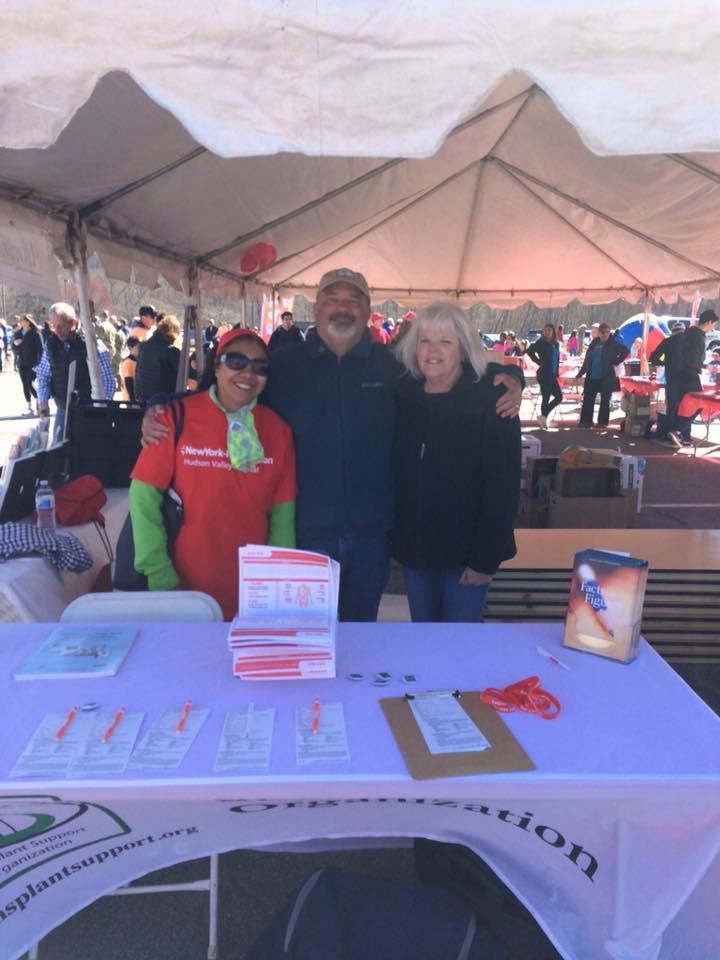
point(504, 755)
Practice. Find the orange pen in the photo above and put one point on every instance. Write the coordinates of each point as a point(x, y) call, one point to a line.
point(66, 723)
point(119, 714)
point(183, 716)
point(315, 725)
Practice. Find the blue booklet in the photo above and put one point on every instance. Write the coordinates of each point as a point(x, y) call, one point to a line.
point(74, 650)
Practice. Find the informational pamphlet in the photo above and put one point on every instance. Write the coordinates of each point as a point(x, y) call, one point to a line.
point(107, 757)
point(76, 650)
point(49, 757)
point(79, 746)
point(285, 627)
point(320, 734)
point(246, 741)
point(164, 746)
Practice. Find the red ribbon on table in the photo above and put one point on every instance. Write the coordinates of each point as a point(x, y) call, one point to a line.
point(525, 695)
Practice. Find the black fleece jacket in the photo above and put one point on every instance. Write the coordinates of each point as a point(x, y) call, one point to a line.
point(457, 476)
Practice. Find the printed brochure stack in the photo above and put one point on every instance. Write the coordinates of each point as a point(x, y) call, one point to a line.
point(285, 627)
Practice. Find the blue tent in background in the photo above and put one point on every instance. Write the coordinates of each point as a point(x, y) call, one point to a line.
point(632, 329)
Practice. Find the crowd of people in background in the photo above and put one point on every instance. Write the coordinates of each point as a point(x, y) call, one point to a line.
point(420, 406)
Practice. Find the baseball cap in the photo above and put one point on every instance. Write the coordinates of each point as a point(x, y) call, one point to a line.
point(345, 275)
point(227, 338)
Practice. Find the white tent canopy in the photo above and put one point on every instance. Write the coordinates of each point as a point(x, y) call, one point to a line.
point(428, 145)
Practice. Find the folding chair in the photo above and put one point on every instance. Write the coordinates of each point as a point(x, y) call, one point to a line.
point(145, 605)
point(165, 606)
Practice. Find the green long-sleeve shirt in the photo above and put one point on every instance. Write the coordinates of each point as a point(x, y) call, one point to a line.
point(151, 553)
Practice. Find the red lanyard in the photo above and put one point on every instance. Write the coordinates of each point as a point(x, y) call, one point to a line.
point(525, 695)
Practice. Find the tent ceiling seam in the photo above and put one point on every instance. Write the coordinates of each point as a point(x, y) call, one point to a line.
point(358, 181)
point(575, 229)
point(257, 275)
point(298, 211)
point(476, 192)
point(469, 226)
point(88, 209)
point(694, 166)
point(424, 196)
point(525, 175)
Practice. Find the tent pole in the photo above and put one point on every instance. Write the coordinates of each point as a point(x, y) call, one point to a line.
point(243, 306)
point(77, 245)
point(191, 326)
point(644, 366)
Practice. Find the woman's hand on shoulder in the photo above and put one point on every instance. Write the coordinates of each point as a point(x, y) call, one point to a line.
point(508, 405)
point(153, 431)
point(473, 578)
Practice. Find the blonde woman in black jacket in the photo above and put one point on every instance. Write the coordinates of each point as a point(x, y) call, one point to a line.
point(457, 468)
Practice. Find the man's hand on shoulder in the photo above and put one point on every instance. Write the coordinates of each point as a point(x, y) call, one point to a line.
point(508, 405)
point(153, 432)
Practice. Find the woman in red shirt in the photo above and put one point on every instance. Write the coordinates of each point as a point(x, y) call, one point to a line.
point(234, 468)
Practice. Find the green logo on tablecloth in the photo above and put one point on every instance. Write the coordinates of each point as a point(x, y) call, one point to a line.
point(20, 826)
point(40, 828)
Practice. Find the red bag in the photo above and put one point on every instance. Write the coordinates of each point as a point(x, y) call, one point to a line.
point(79, 501)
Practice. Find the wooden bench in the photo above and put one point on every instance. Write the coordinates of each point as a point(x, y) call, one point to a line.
point(681, 614)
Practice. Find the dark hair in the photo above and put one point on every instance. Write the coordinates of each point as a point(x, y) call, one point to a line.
point(208, 377)
point(552, 327)
point(132, 342)
point(286, 313)
point(146, 311)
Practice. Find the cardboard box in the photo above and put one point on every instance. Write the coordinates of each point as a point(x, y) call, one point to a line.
point(530, 446)
point(605, 606)
point(587, 480)
point(635, 404)
point(593, 512)
point(630, 467)
point(636, 426)
point(540, 475)
point(532, 512)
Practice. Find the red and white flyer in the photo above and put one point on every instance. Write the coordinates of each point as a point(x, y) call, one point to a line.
point(285, 627)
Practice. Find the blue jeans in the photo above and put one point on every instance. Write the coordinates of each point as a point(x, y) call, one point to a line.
point(364, 564)
point(437, 596)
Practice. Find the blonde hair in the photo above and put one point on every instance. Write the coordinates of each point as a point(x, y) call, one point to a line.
point(443, 315)
point(168, 327)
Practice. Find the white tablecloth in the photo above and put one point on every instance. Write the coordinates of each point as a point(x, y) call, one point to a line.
point(32, 589)
point(605, 841)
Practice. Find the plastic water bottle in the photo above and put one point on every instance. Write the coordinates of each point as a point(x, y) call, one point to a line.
point(45, 507)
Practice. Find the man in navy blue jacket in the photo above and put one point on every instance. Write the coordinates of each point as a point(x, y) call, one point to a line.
point(336, 391)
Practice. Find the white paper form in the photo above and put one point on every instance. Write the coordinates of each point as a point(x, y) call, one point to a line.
point(444, 724)
point(246, 741)
point(164, 746)
point(44, 756)
point(327, 745)
point(101, 759)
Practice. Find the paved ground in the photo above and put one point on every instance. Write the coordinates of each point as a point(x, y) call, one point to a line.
point(681, 490)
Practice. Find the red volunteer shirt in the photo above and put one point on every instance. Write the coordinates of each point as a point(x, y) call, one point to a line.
point(224, 508)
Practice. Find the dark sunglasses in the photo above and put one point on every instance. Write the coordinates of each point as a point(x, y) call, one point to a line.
point(238, 361)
